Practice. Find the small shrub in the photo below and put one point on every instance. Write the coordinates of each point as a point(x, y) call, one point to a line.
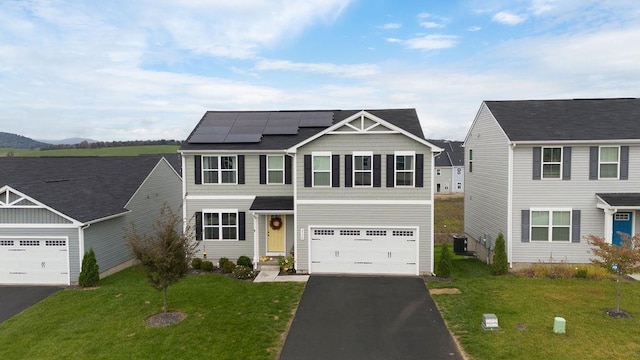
point(206, 266)
point(222, 261)
point(245, 261)
point(243, 272)
point(445, 264)
point(287, 263)
point(90, 272)
point(499, 263)
point(228, 267)
point(196, 263)
point(582, 273)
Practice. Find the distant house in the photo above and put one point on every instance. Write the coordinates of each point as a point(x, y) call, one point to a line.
point(344, 191)
point(546, 173)
point(54, 209)
point(449, 175)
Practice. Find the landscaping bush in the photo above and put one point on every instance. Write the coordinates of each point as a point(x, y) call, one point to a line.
point(222, 261)
point(500, 264)
point(196, 263)
point(287, 264)
point(245, 261)
point(90, 272)
point(445, 264)
point(243, 272)
point(206, 265)
point(228, 267)
point(565, 271)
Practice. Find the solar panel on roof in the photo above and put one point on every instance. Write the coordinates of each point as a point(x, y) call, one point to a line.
point(203, 139)
point(243, 138)
point(280, 130)
point(316, 119)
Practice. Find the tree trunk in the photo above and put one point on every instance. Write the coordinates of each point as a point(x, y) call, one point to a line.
point(164, 308)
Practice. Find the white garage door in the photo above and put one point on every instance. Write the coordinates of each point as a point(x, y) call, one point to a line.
point(364, 251)
point(34, 261)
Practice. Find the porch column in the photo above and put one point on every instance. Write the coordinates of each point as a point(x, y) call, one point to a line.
point(608, 224)
point(256, 243)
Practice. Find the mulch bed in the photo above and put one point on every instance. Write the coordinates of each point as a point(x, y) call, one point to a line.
point(165, 319)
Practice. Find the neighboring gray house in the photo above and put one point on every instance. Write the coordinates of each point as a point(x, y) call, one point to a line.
point(53, 209)
point(449, 167)
point(546, 173)
point(346, 191)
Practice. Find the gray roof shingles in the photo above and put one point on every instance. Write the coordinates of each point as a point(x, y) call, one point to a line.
point(272, 203)
point(621, 199)
point(568, 120)
point(452, 154)
point(83, 188)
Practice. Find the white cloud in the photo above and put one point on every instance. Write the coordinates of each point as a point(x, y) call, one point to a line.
point(508, 18)
point(474, 28)
point(428, 42)
point(356, 70)
point(430, 21)
point(390, 26)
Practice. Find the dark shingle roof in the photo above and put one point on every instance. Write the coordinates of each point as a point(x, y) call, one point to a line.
point(621, 199)
point(83, 188)
point(406, 119)
point(572, 120)
point(272, 203)
point(452, 154)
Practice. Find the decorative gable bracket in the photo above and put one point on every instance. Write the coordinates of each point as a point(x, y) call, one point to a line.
point(13, 199)
point(362, 123)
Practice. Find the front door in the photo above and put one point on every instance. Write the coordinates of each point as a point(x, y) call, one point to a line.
point(275, 235)
point(622, 222)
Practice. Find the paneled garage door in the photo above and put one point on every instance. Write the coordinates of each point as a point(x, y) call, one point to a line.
point(364, 250)
point(34, 261)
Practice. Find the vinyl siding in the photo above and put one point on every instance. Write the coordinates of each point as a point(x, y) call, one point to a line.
point(486, 188)
point(445, 179)
point(30, 216)
point(458, 178)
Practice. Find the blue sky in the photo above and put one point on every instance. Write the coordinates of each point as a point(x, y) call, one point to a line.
point(149, 69)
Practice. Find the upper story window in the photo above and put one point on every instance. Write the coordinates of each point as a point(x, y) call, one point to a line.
point(321, 169)
point(220, 225)
point(362, 169)
point(551, 225)
point(438, 172)
point(470, 160)
point(219, 169)
point(608, 162)
point(404, 168)
point(275, 169)
point(552, 163)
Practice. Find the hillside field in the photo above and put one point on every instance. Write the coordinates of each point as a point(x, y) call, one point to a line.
point(106, 151)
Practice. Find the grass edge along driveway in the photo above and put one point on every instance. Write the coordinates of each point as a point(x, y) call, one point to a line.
point(226, 318)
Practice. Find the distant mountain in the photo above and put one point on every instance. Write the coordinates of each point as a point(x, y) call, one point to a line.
point(14, 141)
point(69, 141)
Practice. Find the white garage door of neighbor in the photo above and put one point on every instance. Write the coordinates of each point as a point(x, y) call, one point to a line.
point(364, 251)
point(34, 261)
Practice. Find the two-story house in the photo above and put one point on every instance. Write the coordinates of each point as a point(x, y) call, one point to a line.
point(449, 167)
point(345, 191)
point(546, 173)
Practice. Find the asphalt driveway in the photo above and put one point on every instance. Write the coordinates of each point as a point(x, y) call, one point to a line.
point(346, 317)
point(14, 299)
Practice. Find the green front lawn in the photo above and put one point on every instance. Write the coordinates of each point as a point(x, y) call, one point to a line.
point(526, 308)
point(226, 319)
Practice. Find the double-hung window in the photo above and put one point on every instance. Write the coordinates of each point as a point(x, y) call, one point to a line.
point(362, 169)
point(404, 168)
point(321, 169)
point(552, 163)
point(551, 225)
point(222, 169)
point(220, 225)
point(609, 160)
point(275, 169)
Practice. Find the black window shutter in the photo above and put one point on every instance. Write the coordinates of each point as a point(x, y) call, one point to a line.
point(575, 226)
point(263, 169)
point(377, 172)
point(391, 166)
point(624, 163)
point(199, 226)
point(348, 171)
point(335, 171)
point(198, 168)
point(593, 163)
point(566, 163)
point(524, 236)
point(307, 171)
point(241, 226)
point(537, 163)
point(240, 169)
point(419, 170)
point(287, 169)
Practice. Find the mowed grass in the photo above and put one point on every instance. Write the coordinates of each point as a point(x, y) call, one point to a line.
point(107, 151)
point(449, 214)
point(226, 319)
point(526, 308)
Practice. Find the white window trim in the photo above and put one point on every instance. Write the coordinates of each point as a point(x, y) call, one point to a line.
point(543, 163)
point(219, 170)
point(395, 171)
point(550, 225)
point(282, 169)
point(220, 226)
point(354, 171)
point(608, 162)
point(313, 171)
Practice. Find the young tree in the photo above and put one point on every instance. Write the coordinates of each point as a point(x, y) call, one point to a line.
point(164, 255)
point(90, 272)
point(499, 263)
point(621, 260)
point(445, 264)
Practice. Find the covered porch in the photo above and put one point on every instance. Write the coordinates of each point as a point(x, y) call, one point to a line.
point(620, 213)
point(273, 224)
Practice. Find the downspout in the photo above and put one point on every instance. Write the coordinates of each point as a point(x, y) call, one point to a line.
point(81, 245)
point(256, 245)
point(510, 207)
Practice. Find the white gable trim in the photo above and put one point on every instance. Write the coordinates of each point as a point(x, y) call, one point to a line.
point(38, 204)
point(393, 129)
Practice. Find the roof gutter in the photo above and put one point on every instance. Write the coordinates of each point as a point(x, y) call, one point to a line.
point(87, 224)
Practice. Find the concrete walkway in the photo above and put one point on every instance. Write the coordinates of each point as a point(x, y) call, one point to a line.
point(273, 275)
